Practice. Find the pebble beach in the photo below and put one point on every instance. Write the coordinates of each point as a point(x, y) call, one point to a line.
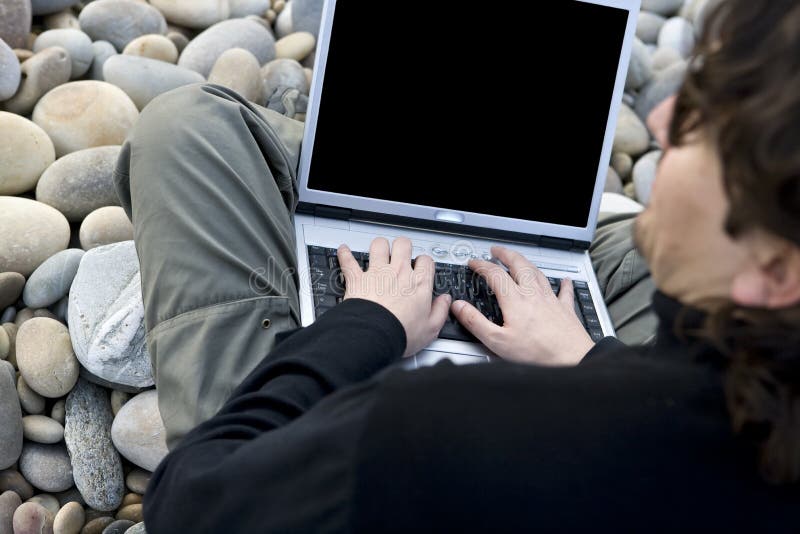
point(80, 430)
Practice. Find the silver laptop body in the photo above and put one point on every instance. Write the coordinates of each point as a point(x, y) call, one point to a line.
point(360, 177)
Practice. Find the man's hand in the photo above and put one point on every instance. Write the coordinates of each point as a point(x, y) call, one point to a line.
point(391, 282)
point(538, 326)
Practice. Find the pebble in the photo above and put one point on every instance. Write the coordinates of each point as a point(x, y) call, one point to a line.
point(43, 7)
point(137, 481)
point(662, 7)
point(97, 526)
point(664, 58)
point(12, 480)
point(15, 22)
point(31, 402)
point(648, 25)
point(138, 528)
point(41, 73)
point(204, 50)
point(47, 501)
point(179, 40)
point(11, 285)
point(11, 331)
point(22, 54)
point(286, 73)
point(663, 85)
point(9, 502)
point(198, 14)
point(118, 400)
point(77, 43)
point(58, 412)
point(623, 164)
point(306, 15)
point(242, 8)
point(5, 344)
point(283, 22)
point(23, 315)
point(51, 280)
point(10, 418)
point(121, 21)
point(10, 73)
point(63, 20)
point(47, 467)
point(107, 321)
point(153, 46)
point(118, 527)
point(138, 431)
point(102, 50)
point(70, 519)
point(80, 182)
point(132, 512)
point(30, 232)
point(677, 33)
point(96, 465)
point(143, 78)
point(42, 429)
point(85, 114)
point(32, 518)
point(640, 68)
point(631, 135)
point(613, 182)
point(239, 70)
point(295, 46)
point(18, 136)
point(644, 174)
point(104, 226)
point(71, 495)
point(131, 498)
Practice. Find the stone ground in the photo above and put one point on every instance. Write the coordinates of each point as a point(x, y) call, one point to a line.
point(80, 430)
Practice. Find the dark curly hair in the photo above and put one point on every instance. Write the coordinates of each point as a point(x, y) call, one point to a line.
point(743, 90)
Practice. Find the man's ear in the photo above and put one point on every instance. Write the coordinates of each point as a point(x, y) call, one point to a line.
point(772, 279)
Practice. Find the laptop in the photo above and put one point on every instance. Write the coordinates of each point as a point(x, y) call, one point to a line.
point(461, 127)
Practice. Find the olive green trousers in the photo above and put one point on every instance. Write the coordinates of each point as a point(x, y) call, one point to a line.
point(209, 181)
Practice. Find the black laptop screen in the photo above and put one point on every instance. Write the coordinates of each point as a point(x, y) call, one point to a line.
point(469, 107)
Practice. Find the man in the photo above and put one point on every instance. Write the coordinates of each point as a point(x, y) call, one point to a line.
point(325, 434)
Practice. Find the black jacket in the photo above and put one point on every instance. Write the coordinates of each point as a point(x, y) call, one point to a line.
point(318, 439)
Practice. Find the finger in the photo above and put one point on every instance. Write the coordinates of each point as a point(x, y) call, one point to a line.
point(567, 293)
point(660, 119)
point(524, 273)
point(425, 269)
point(498, 280)
point(349, 265)
point(440, 309)
point(379, 252)
point(474, 321)
point(401, 253)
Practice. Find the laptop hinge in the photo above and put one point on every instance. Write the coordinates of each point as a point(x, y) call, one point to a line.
point(563, 244)
point(326, 212)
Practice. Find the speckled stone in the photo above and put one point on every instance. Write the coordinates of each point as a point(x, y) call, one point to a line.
point(96, 465)
point(47, 467)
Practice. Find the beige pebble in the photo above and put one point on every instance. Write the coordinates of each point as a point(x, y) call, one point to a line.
point(103, 226)
point(11, 286)
point(85, 114)
point(44, 312)
point(309, 75)
point(278, 5)
point(295, 46)
point(33, 518)
point(23, 54)
point(45, 357)
point(270, 15)
point(118, 400)
point(132, 512)
point(59, 411)
point(11, 330)
point(18, 136)
point(32, 232)
point(25, 314)
point(96, 526)
point(70, 519)
point(137, 480)
point(5, 344)
point(31, 402)
point(153, 46)
point(45, 70)
point(65, 19)
point(47, 501)
point(12, 480)
point(178, 39)
point(238, 69)
point(42, 429)
point(131, 498)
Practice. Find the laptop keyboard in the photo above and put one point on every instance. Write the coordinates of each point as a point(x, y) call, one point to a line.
point(461, 282)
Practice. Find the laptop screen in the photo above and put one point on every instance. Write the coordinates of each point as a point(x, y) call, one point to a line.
point(471, 107)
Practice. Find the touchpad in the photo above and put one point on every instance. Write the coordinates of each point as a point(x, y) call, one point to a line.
point(426, 358)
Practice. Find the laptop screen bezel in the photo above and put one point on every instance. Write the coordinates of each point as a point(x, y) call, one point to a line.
point(434, 214)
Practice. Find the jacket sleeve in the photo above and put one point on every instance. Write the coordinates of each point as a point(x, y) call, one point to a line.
point(220, 474)
point(604, 349)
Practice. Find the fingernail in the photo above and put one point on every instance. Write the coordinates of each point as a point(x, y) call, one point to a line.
point(457, 305)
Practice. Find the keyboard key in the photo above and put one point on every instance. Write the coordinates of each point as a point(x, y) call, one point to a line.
point(314, 249)
point(580, 284)
point(325, 300)
point(596, 334)
point(318, 261)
